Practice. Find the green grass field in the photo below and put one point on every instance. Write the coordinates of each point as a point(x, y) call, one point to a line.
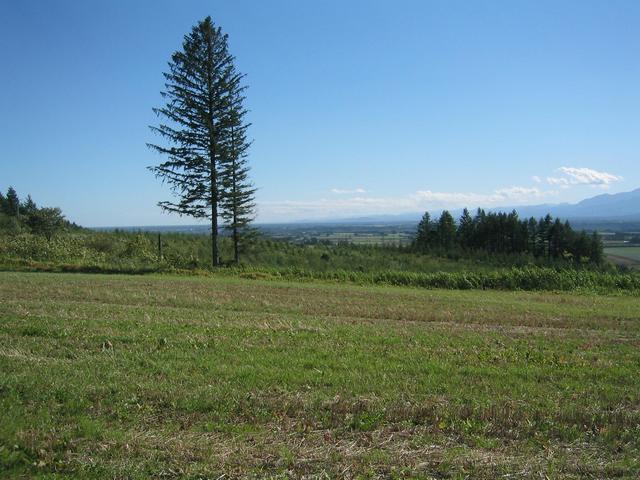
point(368, 238)
point(184, 377)
point(632, 253)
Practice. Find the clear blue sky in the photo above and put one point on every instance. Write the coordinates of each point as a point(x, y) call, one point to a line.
point(357, 107)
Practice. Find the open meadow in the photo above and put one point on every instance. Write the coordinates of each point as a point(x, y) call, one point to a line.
point(176, 376)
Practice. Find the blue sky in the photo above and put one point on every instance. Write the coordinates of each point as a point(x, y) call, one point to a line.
point(358, 107)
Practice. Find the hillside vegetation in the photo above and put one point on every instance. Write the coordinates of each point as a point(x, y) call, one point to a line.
point(120, 252)
point(488, 251)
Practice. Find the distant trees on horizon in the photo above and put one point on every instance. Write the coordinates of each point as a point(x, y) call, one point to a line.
point(206, 159)
point(506, 233)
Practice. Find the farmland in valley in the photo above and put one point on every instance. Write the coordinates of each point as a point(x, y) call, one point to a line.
point(629, 256)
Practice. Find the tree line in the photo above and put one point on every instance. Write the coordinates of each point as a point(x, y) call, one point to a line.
point(206, 132)
point(506, 233)
point(19, 215)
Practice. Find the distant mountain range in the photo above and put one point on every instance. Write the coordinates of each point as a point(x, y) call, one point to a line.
point(617, 206)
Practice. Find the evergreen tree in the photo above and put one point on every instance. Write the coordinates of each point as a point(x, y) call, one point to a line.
point(465, 229)
point(544, 231)
point(423, 235)
point(446, 230)
point(556, 238)
point(532, 233)
point(46, 222)
point(512, 232)
point(199, 88)
point(480, 229)
point(28, 206)
point(582, 247)
point(596, 252)
point(238, 193)
point(11, 203)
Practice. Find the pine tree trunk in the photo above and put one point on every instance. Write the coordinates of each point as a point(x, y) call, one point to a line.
point(236, 252)
point(214, 237)
point(215, 257)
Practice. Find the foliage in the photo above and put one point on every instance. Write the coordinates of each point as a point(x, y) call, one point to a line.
point(45, 221)
point(10, 224)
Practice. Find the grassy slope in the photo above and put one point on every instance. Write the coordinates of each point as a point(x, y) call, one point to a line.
point(127, 377)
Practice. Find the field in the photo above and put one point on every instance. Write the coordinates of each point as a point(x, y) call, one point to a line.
point(380, 233)
point(628, 252)
point(385, 233)
point(629, 256)
point(367, 238)
point(167, 376)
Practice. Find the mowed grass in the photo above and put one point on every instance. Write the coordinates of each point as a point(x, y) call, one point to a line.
point(184, 377)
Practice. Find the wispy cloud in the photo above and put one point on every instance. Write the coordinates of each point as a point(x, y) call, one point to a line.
point(469, 199)
point(342, 191)
point(583, 176)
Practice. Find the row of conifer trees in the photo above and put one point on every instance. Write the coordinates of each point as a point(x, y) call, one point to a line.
point(506, 233)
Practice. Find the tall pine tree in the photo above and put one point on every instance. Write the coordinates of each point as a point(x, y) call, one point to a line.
point(237, 191)
point(465, 229)
point(237, 199)
point(424, 234)
point(446, 230)
point(199, 90)
point(11, 204)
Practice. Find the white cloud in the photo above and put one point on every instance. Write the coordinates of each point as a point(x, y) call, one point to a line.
point(521, 192)
point(583, 176)
point(563, 182)
point(341, 191)
point(536, 179)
